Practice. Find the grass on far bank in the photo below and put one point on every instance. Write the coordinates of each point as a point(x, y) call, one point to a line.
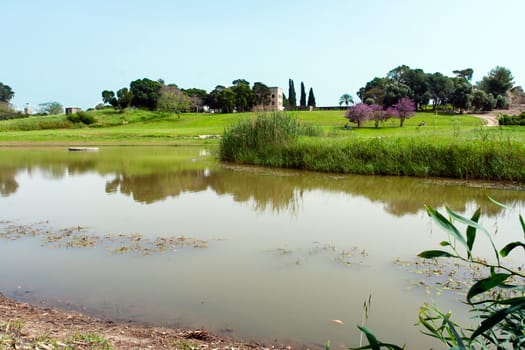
point(147, 127)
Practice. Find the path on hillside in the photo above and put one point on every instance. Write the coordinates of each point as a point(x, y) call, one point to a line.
point(491, 118)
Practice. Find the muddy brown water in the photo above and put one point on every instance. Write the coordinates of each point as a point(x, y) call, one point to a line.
point(283, 255)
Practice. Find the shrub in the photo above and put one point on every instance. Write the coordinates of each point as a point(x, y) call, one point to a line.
point(81, 117)
point(86, 118)
point(512, 119)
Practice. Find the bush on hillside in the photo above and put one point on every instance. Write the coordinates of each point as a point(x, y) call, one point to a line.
point(512, 119)
point(81, 117)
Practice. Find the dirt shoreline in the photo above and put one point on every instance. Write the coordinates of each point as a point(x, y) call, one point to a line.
point(25, 326)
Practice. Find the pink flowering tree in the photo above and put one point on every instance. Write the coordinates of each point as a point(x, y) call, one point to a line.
point(359, 113)
point(405, 108)
point(378, 114)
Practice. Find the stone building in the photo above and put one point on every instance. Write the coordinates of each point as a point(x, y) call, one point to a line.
point(276, 99)
point(72, 110)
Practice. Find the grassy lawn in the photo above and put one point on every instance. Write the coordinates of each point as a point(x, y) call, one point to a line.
point(146, 127)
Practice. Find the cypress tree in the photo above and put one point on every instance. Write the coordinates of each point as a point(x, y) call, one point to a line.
point(292, 100)
point(311, 98)
point(302, 102)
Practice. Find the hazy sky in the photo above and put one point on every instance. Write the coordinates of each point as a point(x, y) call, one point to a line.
point(69, 51)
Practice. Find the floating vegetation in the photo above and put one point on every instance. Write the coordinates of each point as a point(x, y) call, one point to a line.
point(439, 276)
point(347, 257)
point(82, 237)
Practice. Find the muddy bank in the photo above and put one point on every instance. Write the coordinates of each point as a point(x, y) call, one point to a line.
point(24, 326)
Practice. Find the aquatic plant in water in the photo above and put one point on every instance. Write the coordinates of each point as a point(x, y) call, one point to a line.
point(497, 300)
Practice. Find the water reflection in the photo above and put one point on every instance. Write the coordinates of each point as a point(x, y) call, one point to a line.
point(149, 175)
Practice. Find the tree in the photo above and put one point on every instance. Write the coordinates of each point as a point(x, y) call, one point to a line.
point(302, 102)
point(346, 99)
point(6, 93)
point(51, 108)
point(405, 108)
point(124, 98)
point(286, 103)
point(311, 98)
point(399, 74)
point(292, 100)
point(358, 113)
point(498, 82)
point(226, 100)
point(221, 99)
point(374, 89)
point(145, 93)
point(481, 101)
point(261, 94)
point(394, 91)
point(379, 115)
point(197, 98)
point(464, 73)
point(108, 97)
point(417, 81)
point(172, 99)
point(244, 97)
point(461, 97)
point(440, 88)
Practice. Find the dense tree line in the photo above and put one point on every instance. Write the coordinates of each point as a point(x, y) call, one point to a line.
point(156, 95)
point(438, 89)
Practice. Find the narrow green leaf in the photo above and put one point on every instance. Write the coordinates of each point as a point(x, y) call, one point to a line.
point(444, 244)
point(446, 225)
point(466, 221)
point(498, 203)
point(471, 231)
point(495, 318)
point(522, 225)
point(471, 223)
point(372, 340)
point(509, 247)
point(486, 284)
point(510, 301)
point(431, 254)
point(374, 344)
point(327, 346)
point(458, 339)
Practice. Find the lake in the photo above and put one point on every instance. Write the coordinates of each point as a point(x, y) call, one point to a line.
point(169, 236)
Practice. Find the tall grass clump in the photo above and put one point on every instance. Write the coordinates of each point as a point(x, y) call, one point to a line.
point(263, 140)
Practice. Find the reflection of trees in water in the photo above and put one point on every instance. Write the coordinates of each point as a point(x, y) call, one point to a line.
point(283, 191)
point(268, 190)
point(8, 184)
point(155, 174)
point(399, 196)
point(154, 187)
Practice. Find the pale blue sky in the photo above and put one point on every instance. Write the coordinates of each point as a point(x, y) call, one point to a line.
point(69, 51)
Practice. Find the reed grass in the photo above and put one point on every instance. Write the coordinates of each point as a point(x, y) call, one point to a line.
point(263, 139)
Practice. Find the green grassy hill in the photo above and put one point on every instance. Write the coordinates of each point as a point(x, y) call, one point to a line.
point(146, 127)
